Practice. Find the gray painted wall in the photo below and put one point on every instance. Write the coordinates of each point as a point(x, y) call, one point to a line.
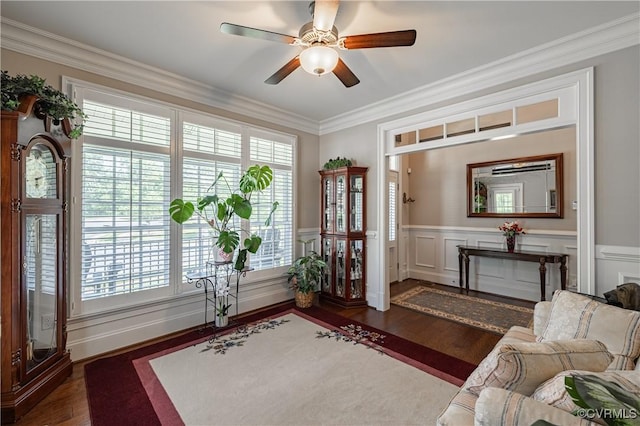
point(617, 145)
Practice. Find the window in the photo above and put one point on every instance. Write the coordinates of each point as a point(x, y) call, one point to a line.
point(392, 210)
point(125, 190)
point(506, 198)
point(207, 150)
point(136, 157)
point(279, 156)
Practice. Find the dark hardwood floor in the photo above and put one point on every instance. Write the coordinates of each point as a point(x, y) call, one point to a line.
point(67, 405)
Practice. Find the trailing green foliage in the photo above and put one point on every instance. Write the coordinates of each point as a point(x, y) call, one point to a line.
point(337, 163)
point(219, 212)
point(51, 101)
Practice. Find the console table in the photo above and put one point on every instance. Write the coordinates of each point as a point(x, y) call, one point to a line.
point(528, 256)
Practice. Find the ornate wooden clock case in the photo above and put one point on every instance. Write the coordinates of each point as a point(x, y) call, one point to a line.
point(34, 163)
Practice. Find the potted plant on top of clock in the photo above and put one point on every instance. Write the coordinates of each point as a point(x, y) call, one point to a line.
point(26, 93)
point(223, 214)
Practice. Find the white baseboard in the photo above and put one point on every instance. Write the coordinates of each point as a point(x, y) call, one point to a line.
point(94, 336)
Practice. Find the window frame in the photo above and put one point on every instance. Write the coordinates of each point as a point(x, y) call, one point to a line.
point(178, 287)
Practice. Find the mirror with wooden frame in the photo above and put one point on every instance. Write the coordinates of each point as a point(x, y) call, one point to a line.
point(516, 187)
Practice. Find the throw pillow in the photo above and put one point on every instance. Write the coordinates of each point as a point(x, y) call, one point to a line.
point(574, 316)
point(522, 367)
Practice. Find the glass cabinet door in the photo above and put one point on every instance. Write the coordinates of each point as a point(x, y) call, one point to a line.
point(341, 203)
point(356, 273)
point(327, 256)
point(356, 183)
point(327, 203)
point(341, 251)
point(40, 268)
point(40, 173)
point(41, 259)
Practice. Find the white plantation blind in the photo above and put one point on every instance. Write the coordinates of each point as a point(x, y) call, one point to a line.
point(197, 176)
point(276, 249)
point(136, 156)
point(119, 123)
point(125, 191)
point(392, 211)
point(211, 140)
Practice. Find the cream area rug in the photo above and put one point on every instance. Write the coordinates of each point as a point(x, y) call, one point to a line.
point(291, 370)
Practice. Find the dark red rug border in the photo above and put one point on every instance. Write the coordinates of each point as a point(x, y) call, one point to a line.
point(116, 395)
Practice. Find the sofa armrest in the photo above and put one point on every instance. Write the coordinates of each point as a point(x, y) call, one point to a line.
point(541, 313)
point(501, 407)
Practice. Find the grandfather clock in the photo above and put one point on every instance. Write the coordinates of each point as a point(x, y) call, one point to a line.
point(34, 163)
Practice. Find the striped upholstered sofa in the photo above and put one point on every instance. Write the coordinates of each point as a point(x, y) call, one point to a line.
point(522, 379)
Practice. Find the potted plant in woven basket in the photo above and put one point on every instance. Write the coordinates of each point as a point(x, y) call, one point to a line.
point(304, 276)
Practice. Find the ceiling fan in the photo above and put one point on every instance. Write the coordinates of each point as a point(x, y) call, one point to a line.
point(319, 40)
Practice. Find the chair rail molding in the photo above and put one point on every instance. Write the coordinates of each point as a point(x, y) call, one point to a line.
point(616, 265)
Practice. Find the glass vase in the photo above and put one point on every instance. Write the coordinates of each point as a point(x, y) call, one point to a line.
point(511, 243)
point(222, 320)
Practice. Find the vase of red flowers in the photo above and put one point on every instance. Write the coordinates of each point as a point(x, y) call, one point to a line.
point(510, 230)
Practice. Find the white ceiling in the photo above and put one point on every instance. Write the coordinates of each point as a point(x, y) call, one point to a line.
point(183, 37)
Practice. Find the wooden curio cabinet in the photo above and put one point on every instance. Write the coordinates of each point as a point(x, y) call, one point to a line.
point(33, 247)
point(342, 235)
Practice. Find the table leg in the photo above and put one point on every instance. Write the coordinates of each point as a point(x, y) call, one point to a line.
point(543, 278)
point(460, 268)
point(466, 270)
point(563, 272)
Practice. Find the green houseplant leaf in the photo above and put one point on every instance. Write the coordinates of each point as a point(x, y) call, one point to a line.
point(619, 406)
point(257, 178)
point(307, 271)
point(224, 214)
point(181, 211)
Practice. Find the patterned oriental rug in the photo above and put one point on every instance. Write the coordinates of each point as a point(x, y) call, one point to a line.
point(282, 366)
point(488, 315)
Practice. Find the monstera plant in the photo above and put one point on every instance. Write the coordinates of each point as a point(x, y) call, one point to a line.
point(220, 212)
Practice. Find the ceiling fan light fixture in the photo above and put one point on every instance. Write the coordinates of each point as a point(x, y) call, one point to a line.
point(319, 59)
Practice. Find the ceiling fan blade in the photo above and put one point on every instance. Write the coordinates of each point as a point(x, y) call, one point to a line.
point(345, 75)
point(390, 39)
point(234, 29)
point(287, 69)
point(324, 14)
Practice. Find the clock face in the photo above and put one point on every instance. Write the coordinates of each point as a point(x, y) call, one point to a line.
point(37, 179)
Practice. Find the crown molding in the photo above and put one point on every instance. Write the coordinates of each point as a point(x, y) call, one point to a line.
point(599, 40)
point(44, 45)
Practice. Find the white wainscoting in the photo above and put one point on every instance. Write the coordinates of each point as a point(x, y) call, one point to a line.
point(616, 265)
point(432, 255)
point(96, 334)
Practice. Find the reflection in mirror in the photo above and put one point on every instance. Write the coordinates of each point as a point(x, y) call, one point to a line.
point(404, 139)
point(517, 187)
